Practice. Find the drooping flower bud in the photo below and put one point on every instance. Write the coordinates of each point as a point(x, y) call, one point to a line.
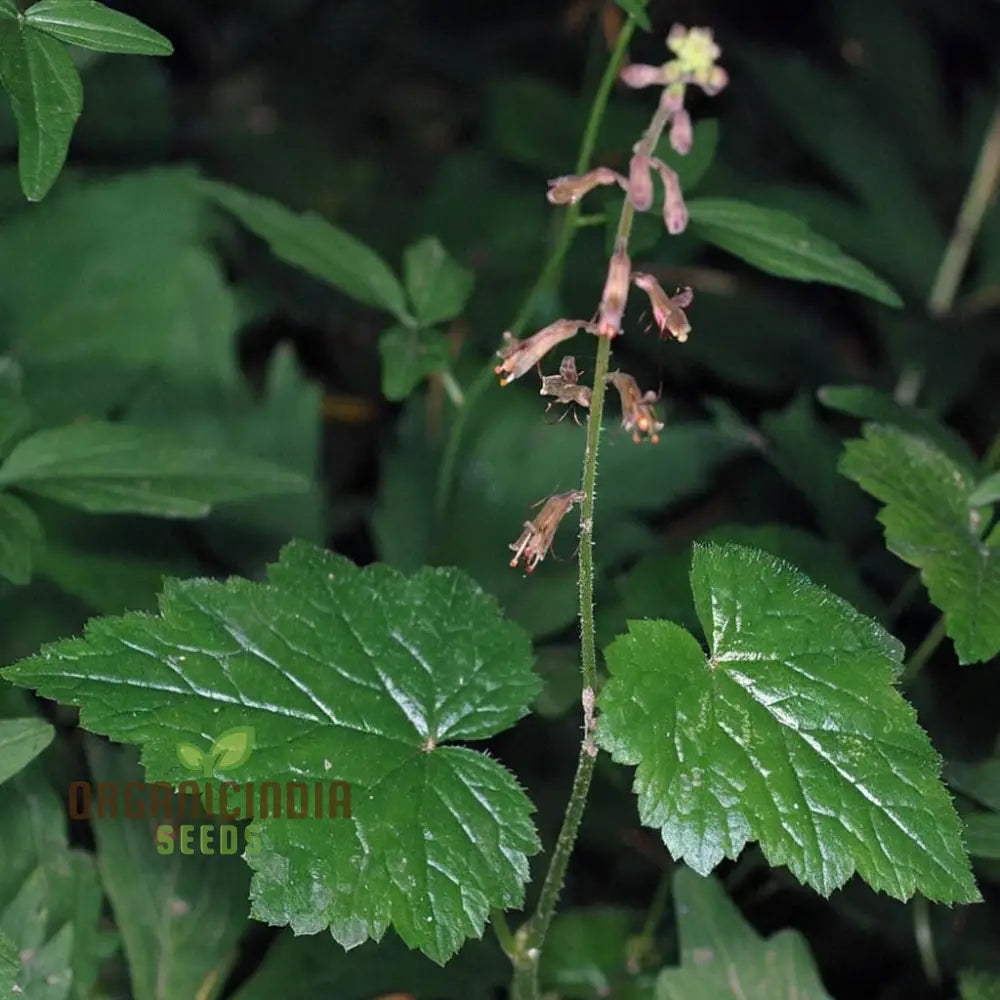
point(570, 189)
point(535, 540)
point(668, 310)
point(638, 75)
point(675, 215)
point(640, 182)
point(681, 133)
point(609, 320)
point(638, 415)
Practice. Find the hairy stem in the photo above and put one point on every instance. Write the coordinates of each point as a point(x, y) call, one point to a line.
point(566, 233)
point(531, 937)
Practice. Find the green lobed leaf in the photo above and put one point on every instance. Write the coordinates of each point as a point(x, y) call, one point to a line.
point(46, 94)
point(870, 404)
point(784, 245)
point(95, 26)
point(310, 242)
point(722, 955)
point(438, 286)
point(586, 953)
point(790, 732)
point(20, 537)
point(408, 357)
point(932, 523)
point(21, 741)
point(345, 674)
point(180, 915)
point(106, 468)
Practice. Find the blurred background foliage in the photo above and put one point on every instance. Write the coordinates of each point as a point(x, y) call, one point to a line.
point(128, 296)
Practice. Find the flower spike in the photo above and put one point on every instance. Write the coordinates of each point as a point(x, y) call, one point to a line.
point(535, 540)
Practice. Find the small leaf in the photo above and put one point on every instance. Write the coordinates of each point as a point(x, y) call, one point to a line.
point(47, 97)
point(437, 284)
point(789, 732)
point(94, 26)
point(784, 245)
point(190, 756)
point(20, 538)
point(106, 468)
point(408, 357)
point(932, 522)
point(21, 740)
point(869, 404)
point(180, 915)
point(232, 748)
point(359, 676)
point(982, 834)
point(585, 953)
point(635, 10)
point(987, 492)
point(319, 248)
point(722, 955)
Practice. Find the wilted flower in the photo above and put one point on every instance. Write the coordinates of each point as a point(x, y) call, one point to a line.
point(566, 386)
point(536, 538)
point(609, 320)
point(638, 415)
point(520, 356)
point(570, 189)
point(668, 310)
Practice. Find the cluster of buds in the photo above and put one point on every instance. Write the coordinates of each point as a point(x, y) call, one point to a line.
point(693, 64)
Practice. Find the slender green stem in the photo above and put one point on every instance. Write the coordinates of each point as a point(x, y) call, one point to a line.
point(979, 194)
point(641, 946)
point(565, 235)
point(982, 187)
point(924, 934)
point(502, 931)
point(924, 651)
point(531, 937)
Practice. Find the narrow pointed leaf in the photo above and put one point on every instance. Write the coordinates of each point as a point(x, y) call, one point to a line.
point(789, 732)
point(95, 26)
point(987, 492)
point(20, 538)
point(319, 248)
point(783, 244)
point(107, 468)
point(359, 676)
point(722, 955)
point(47, 97)
point(21, 740)
point(635, 9)
point(933, 521)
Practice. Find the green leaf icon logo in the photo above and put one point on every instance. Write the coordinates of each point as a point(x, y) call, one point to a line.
point(233, 747)
point(190, 756)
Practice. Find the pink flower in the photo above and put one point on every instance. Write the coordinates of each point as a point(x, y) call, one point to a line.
point(638, 75)
point(668, 310)
point(609, 320)
point(675, 215)
point(520, 356)
point(640, 182)
point(681, 134)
